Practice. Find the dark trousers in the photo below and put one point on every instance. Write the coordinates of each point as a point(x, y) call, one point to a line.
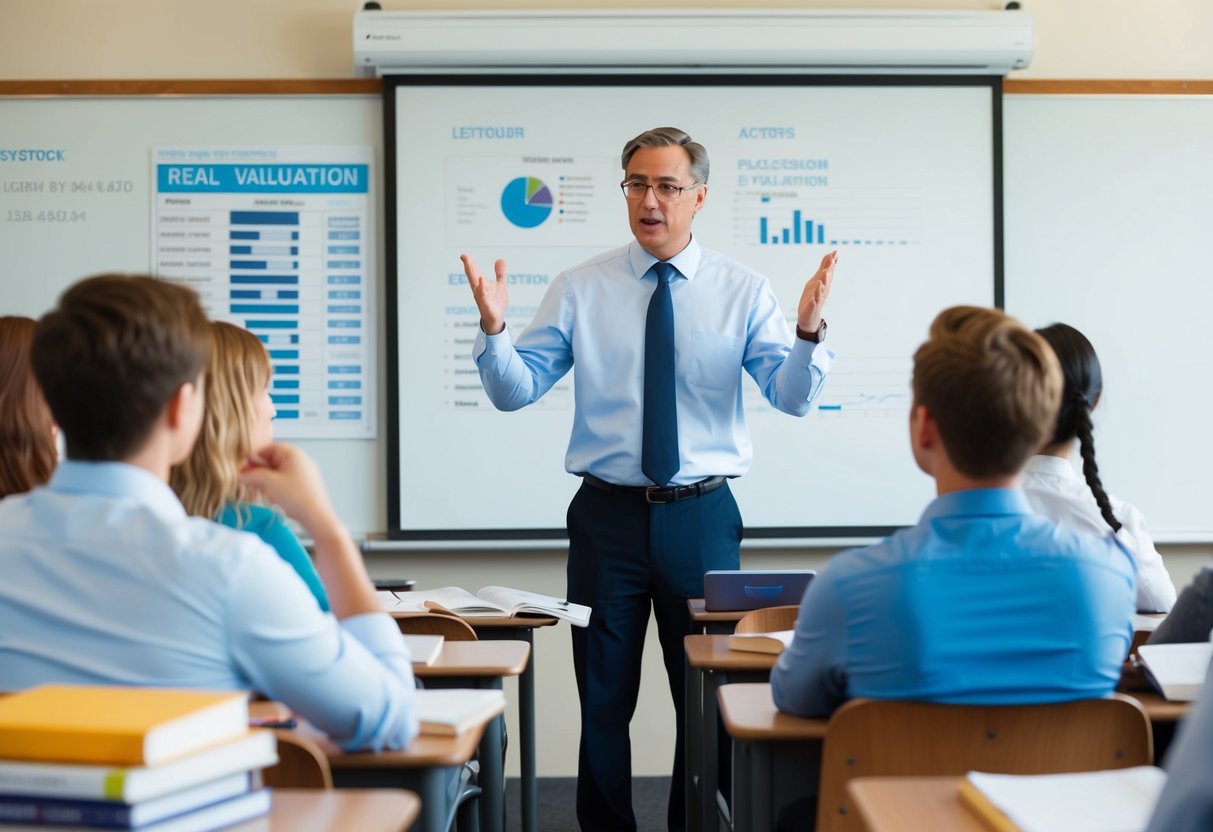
point(625, 555)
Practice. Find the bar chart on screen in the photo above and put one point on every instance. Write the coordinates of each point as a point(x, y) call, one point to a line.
point(278, 241)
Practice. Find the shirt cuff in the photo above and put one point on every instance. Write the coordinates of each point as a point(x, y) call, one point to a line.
point(811, 354)
point(377, 632)
point(494, 345)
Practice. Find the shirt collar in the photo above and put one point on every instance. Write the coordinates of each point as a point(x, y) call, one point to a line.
point(686, 261)
point(1052, 465)
point(976, 502)
point(117, 480)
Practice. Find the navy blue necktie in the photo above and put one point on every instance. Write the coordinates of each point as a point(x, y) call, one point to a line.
point(659, 458)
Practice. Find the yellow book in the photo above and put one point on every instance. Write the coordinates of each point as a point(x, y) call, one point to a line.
point(774, 642)
point(989, 814)
point(117, 725)
point(1113, 800)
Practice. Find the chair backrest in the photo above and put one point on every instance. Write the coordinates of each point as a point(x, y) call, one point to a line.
point(301, 764)
point(768, 620)
point(871, 738)
point(436, 624)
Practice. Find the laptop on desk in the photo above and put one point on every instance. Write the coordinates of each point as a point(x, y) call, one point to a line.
point(728, 590)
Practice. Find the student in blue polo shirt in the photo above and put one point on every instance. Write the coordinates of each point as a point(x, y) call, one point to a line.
point(981, 602)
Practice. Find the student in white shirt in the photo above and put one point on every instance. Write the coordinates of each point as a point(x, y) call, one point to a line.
point(1055, 490)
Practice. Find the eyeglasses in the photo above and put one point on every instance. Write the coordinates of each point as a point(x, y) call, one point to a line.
point(664, 191)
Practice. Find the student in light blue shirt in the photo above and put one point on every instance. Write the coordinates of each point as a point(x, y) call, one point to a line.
point(108, 581)
point(982, 602)
point(237, 424)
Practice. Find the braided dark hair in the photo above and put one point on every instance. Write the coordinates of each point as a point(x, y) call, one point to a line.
point(1084, 384)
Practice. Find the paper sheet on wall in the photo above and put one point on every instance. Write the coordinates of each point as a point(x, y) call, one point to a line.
point(279, 241)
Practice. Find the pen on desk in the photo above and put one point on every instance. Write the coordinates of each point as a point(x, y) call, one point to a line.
point(271, 722)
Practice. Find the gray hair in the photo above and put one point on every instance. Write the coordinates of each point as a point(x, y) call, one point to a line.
point(671, 137)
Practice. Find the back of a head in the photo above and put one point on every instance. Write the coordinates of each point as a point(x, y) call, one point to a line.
point(991, 385)
point(1082, 373)
point(27, 440)
point(111, 355)
point(236, 372)
point(1083, 387)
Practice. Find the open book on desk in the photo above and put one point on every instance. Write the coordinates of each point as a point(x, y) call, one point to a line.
point(1116, 800)
point(491, 601)
point(1177, 670)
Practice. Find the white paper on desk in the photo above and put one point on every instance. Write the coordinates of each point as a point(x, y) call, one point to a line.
point(1177, 670)
point(423, 649)
point(1118, 800)
point(1146, 622)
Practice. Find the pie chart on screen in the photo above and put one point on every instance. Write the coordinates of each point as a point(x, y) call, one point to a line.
point(526, 202)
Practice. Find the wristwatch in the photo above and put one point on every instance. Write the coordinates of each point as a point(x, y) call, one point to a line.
point(816, 337)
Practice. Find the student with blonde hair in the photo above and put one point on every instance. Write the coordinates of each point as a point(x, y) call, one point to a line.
point(237, 425)
point(27, 429)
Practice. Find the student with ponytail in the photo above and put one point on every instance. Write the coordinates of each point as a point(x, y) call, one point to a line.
point(1054, 488)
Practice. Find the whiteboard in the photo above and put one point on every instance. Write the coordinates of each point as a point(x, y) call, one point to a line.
point(75, 200)
point(1106, 202)
point(898, 175)
point(1108, 206)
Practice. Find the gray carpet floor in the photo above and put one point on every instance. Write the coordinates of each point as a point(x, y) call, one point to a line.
point(558, 804)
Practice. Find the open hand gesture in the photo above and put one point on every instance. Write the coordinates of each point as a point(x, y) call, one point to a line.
point(491, 296)
point(813, 298)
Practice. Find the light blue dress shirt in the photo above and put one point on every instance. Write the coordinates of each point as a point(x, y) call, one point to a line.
point(269, 525)
point(982, 602)
point(726, 318)
point(106, 580)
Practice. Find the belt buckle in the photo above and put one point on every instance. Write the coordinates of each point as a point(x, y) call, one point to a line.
point(648, 495)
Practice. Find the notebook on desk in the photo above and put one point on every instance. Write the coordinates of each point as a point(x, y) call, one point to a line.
point(727, 590)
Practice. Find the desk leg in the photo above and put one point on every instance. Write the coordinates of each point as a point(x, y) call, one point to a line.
point(492, 777)
point(709, 749)
point(692, 728)
point(526, 743)
point(526, 721)
point(753, 809)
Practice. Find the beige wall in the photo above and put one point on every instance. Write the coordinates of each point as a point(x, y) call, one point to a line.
point(163, 39)
point(89, 39)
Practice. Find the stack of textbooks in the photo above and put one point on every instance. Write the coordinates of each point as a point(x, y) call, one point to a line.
point(129, 758)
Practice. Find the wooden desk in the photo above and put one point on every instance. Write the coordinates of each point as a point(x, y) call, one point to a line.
point(776, 756)
point(481, 664)
point(461, 664)
point(519, 628)
point(1160, 711)
point(314, 810)
point(713, 623)
point(463, 659)
point(709, 664)
point(912, 804)
point(426, 767)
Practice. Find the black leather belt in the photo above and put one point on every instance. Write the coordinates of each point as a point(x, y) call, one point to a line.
point(658, 493)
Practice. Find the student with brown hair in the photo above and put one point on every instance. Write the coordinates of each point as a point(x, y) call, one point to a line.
point(27, 430)
point(108, 581)
point(982, 602)
point(237, 425)
point(1054, 488)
